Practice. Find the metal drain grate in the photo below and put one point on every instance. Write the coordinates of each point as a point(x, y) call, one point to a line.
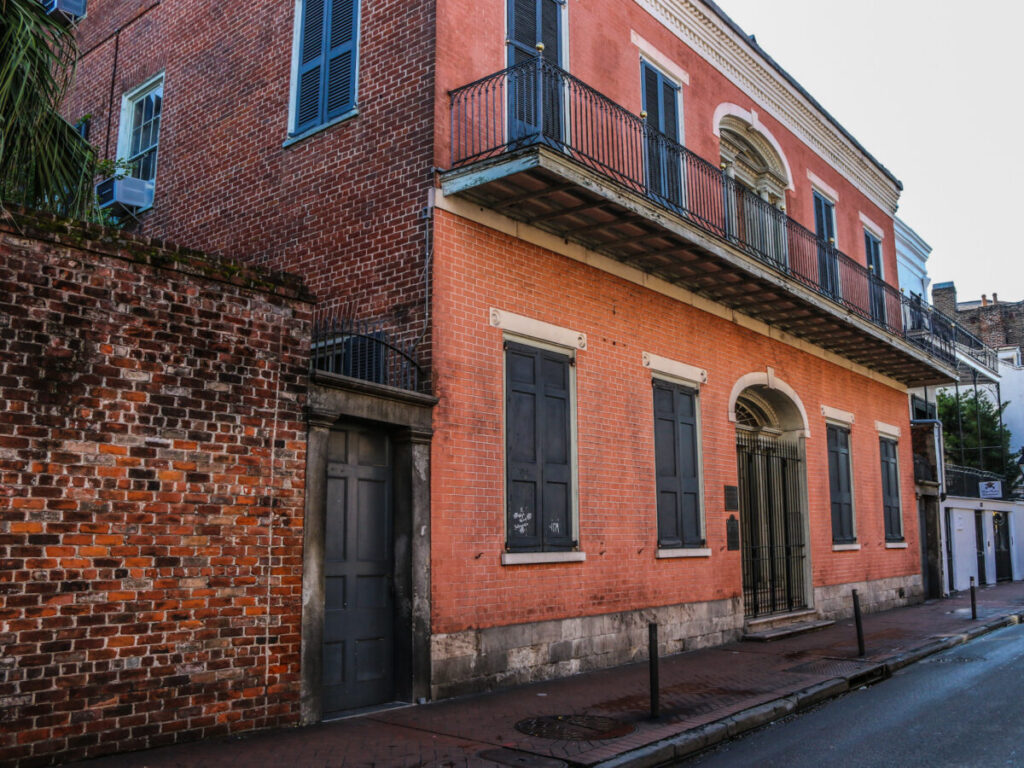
point(574, 727)
point(953, 659)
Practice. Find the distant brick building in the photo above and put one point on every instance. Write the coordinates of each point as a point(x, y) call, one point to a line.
point(1000, 324)
point(663, 362)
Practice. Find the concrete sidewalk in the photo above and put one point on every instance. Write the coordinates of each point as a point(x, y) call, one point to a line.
point(601, 718)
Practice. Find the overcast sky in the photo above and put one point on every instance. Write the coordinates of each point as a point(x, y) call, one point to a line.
point(933, 89)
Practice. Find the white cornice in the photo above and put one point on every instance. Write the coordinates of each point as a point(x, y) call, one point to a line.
point(730, 54)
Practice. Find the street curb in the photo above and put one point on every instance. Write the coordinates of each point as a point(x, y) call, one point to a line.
point(694, 740)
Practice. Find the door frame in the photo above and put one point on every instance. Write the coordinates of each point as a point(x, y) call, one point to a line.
point(406, 417)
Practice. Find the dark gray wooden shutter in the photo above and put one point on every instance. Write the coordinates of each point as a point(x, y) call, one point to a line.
point(538, 449)
point(676, 466)
point(841, 495)
point(890, 489)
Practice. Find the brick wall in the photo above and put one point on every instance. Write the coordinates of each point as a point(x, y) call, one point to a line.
point(479, 268)
point(342, 208)
point(152, 454)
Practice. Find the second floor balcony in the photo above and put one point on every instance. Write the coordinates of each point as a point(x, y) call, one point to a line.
point(538, 145)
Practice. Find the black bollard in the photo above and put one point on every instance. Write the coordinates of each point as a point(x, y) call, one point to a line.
point(859, 623)
point(974, 601)
point(652, 643)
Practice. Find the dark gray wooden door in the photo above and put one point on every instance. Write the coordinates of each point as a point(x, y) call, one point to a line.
point(979, 538)
point(358, 650)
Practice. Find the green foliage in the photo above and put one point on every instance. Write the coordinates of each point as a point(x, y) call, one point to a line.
point(44, 163)
point(994, 444)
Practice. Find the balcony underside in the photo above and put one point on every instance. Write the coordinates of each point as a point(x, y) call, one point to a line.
point(551, 191)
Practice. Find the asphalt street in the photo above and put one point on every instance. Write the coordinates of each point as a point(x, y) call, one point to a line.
point(964, 707)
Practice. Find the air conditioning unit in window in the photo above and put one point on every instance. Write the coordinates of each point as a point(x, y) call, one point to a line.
point(126, 195)
point(68, 10)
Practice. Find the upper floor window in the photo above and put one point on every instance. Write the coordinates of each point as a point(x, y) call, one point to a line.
point(873, 253)
point(531, 22)
point(828, 257)
point(139, 136)
point(664, 163)
point(324, 84)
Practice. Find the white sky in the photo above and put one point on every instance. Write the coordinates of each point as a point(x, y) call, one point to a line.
point(932, 89)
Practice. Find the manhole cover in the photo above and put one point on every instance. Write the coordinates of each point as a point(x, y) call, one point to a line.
point(574, 727)
point(952, 659)
point(514, 758)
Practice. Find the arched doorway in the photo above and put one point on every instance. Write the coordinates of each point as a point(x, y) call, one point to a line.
point(773, 519)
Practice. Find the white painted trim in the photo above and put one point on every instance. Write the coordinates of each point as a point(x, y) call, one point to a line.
point(752, 120)
point(772, 382)
point(659, 59)
point(837, 416)
point(667, 554)
point(293, 90)
point(823, 187)
point(896, 545)
point(529, 234)
point(707, 35)
point(537, 329)
point(888, 430)
point(690, 375)
point(846, 547)
point(871, 227)
point(537, 558)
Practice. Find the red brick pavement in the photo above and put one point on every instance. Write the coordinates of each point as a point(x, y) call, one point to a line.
point(698, 688)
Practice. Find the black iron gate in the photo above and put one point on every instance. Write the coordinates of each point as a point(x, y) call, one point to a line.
point(771, 477)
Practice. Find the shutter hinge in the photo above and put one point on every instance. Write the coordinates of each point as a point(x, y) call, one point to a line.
point(504, 344)
point(572, 361)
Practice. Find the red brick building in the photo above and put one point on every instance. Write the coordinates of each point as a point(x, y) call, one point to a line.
point(650, 285)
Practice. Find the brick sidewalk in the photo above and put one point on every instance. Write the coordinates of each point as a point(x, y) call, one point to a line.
point(706, 696)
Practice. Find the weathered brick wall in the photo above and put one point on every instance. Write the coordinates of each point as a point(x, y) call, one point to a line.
point(342, 208)
point(152, 456)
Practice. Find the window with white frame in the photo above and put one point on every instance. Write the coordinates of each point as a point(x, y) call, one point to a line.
point(139, 138)
point(888, 451)
point(325, 63)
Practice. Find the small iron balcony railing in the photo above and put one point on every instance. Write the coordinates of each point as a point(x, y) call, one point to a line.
point(536, 103)
point(966, 482)
point(365, 350)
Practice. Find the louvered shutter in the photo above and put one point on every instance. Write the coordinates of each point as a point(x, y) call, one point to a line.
point(327, 61)
point(311, 65)
point(676, 466)
point(890, 489)
point(341, 58)
point(538, 449)
point(841, 496)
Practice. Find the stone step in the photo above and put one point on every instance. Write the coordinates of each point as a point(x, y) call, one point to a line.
point(786, 630)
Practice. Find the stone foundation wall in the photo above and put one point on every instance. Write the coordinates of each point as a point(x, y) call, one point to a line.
point(480, 660)
point(836, 601)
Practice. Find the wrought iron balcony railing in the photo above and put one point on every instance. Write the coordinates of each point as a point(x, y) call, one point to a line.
point(365, 350)
point(535, 103)
point(966, 482)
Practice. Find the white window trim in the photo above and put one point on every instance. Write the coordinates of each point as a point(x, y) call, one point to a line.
point(674, 372)
point(564, 342)
point(855, 547)
point(823, 188)
point(124, 127)
point(873, 229)
point(672, 74)
point(896, 545)
point(293, 90)
point(837, 416)
point(888, 430)
point(670, 554)
point(537, 330)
